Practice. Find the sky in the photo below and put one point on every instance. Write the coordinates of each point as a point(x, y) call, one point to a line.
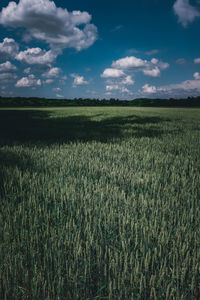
point(100, 49)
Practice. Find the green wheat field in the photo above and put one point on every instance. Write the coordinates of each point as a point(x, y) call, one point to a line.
point(100, 203)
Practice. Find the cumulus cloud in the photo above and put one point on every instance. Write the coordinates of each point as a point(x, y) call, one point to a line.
point(27, 70)
point(197, 60)
point(117, 81)
point(78, 80)
point(112, 73)
point(7, 67)
point(185, 11)
point(186, 87)
point(129, 62)
point(125, 90)
point(36, 56)
point(48, 81)
point(57, 89)
point(196, 75)
point(5, 77)
point(162, 65)
point(153, 72)
point(53, 25)
point(128, 80)
point(112, 87)
point(147, 89)
point(135, 64)
point(8, 48)
point(52, 73)
point(118, 78)
point(29, 81)
point(116, 87)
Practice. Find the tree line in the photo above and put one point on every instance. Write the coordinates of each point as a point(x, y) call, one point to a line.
point(143, 102)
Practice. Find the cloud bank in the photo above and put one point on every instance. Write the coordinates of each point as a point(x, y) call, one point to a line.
point(53, 25)
point(185, 88)
point(117, 76)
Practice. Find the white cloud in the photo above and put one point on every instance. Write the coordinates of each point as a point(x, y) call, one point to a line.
point(52, 73)
point(154, 61)
point(152, 52)
point(27, 70)
point(54, 25)
point(116, 87)
point(132, 51)
point(117, 28)
point(181, 61)
point(108, 93)
point(196, 75)
point(7, 67)
point(7, 76)
point(129, 62)
point(197, 60)
point(8, 48)
point(36, 56)
point(78, 80)
point(112, 87)
point(125, 90)
point(184, 88)
point(185, 11)
point(112, 73)
point(62, 80)
point(59, 96)
point(153, 72)
point(134, 64)
point(29, 81)
point(117, 77)
point(147, 89)
point(128, 80)
point(163, 65)
point(48, 81)
point(187, 85)
point(57, 89)
point(6, 93)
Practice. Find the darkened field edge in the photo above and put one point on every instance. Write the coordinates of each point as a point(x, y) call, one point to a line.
point(27, 126)
point(141, 102)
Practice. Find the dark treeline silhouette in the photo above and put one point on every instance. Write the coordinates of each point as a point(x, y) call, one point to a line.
point(42, 102)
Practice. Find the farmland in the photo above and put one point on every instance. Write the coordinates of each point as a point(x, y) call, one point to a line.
point(100, 203)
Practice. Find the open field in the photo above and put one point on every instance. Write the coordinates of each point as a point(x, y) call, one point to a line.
point(100, 203)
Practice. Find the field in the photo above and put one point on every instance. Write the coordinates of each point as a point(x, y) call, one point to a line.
point(100, 203)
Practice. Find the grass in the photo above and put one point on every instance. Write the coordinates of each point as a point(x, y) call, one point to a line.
point(100, 203)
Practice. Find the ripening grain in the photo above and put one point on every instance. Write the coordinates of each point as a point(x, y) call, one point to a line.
point(100, 203)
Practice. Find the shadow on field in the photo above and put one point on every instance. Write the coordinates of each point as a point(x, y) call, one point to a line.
point(9, 160)
point(34, 126)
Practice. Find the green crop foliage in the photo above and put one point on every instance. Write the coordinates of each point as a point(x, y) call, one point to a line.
point(100, 203)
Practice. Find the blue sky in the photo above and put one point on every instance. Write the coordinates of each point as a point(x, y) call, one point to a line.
point(100, 49)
